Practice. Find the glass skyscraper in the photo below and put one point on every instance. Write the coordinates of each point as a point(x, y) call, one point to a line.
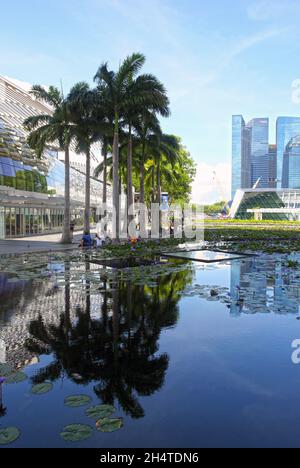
point(259, 152)
point(238, 125)
point(287, 128)
point(250, 153)
point(291, 164)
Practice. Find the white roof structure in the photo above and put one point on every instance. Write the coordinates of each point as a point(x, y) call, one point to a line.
point(17, 104)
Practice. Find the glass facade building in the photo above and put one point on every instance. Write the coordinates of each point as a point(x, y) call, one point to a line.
point(32, 189)
point(286, 129)
point(276, 204)
point(291, 165)
point(241, 162)
point(259, 152)
point(250, 153)
point(272, 166)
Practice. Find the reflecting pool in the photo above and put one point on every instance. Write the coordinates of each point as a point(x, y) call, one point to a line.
point(173, 353)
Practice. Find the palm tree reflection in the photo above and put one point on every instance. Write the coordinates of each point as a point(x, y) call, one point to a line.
point(119, 350)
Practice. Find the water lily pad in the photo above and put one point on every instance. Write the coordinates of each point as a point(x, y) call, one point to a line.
point(9, 435)
point(5, 369)
point(109, 424)
point(100, 411)
point(16, 377)
point(76, 432)
point(42, 388)
point(74, 401)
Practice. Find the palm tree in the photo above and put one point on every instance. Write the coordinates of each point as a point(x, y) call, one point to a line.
point(116, 85)
point(152, 98)
point(91, 126)
point(57, 129)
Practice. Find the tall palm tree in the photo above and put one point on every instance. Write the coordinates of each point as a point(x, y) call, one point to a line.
point(152, 98)
point(91, 127)
point(53, 129)
point(116, 85)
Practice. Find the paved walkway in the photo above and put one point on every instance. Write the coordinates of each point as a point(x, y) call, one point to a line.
point(44, 243)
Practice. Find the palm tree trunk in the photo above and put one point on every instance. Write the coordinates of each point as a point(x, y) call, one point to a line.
point(116, 199)
point(159, 195)
point(66, 235)
point(104, 194)
point(130, 217)
point(153, 183)
point(142, 179)
point(142, 195)
point(87, 209)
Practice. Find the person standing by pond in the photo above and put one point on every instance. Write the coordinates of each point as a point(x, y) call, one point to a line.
point(86, 240)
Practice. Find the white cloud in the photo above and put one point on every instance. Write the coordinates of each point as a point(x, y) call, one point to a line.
point(212, 183)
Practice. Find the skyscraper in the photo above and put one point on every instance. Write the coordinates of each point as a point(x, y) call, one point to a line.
point(250, 153)
point(286, 128)
point(259, 152)
point(291, 164)
point(241, 164)
point(272, 166)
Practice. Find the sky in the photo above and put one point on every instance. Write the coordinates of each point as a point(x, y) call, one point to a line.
point(216, 58)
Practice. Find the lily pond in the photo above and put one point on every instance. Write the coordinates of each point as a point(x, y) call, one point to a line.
point(164, 352)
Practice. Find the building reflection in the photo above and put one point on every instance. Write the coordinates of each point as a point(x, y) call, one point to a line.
point(116, 349)
point(263, 287)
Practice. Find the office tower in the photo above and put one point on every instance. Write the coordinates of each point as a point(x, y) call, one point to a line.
point(250, 153)
point(272, 166)
point(241, 164)
point(259, 152)
point(291, 164)
point(286, 128)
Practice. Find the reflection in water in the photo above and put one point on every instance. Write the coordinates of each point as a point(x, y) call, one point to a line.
point(117, 348)
point(264, 286)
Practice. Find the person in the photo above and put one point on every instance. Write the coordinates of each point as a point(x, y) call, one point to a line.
point(72, 227)
point(86, 240)
point(98, 241)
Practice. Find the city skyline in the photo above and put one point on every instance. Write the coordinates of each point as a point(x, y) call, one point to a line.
point(258, 163)
point(215, 61)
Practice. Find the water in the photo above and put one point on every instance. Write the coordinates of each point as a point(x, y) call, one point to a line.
point(189, 354)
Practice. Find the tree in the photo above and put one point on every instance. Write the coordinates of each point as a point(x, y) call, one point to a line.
point(53, 129)
point(119, 96)
point(91, 126)
point(153, 99)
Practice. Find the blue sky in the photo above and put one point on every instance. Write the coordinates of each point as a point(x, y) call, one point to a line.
point(216, 58)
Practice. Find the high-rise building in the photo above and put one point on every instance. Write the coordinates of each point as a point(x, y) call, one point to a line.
point(287, 128)
point(291, 164)
point(259, 152)
point(241, 163)
point(250, 153)
point(272, 166)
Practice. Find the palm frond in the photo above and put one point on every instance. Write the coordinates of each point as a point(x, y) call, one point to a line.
point(129, 68)
point(52, 97)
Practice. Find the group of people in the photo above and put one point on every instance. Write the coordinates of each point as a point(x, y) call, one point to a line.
point(88, 241)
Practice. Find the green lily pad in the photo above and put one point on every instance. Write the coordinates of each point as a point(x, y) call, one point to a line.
point(5, 369)
point(16, 377)
point(76, 432)
point(100, 411)
point(42, 388)
point(109, 424)
point(9, 435)
point(74, 401)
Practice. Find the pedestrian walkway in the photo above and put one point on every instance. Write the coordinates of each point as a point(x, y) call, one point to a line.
point(44, 243)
